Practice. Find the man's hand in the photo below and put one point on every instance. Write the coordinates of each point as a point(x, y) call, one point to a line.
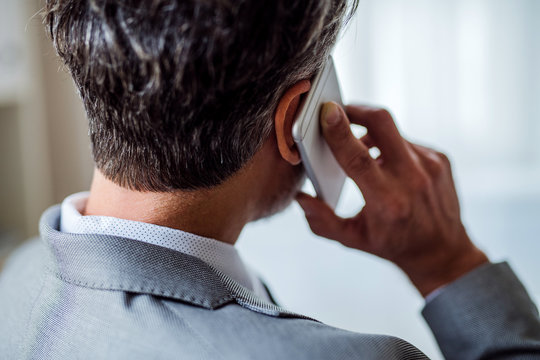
point(411, 216)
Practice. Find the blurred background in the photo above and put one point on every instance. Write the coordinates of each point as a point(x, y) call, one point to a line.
point(461, 76)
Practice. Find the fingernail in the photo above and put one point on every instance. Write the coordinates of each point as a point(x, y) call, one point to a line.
point(331, 113)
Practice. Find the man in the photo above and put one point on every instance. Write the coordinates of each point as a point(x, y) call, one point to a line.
point(190, 106)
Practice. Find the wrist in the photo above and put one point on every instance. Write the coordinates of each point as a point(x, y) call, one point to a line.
point(441, 271)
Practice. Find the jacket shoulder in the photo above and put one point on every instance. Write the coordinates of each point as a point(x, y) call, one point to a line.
point(238, 332)
point(52, 318)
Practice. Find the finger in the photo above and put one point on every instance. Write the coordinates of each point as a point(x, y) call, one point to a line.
point(438, 167)
point(433, 154)
point(382, 130)
point(324, 222)
point(368, 141)
point(434, 162)
point(351, 153)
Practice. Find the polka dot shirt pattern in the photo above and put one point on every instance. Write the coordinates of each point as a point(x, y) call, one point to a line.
point(222, 256)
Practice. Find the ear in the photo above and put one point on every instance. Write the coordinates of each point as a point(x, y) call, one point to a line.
point(284, 118)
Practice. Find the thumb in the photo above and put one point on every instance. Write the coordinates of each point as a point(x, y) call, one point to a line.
point(324, 222)
point(351, 154)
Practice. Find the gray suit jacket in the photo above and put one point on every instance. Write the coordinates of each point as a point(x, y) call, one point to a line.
point(101, 297)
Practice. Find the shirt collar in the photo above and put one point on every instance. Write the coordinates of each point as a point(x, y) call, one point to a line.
point(218, 254)
point(114, 263)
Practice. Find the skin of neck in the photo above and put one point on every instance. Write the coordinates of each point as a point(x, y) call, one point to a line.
point(262, 187)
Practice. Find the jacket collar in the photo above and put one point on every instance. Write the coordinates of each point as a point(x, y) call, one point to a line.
point(120, 264)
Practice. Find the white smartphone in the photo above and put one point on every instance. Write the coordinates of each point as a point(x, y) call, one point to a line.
point(321, 166)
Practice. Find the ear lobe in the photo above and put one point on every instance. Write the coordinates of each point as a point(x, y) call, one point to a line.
point(284, 118)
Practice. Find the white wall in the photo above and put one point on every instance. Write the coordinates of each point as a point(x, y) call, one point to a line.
point(43, 130)
point(461, 76)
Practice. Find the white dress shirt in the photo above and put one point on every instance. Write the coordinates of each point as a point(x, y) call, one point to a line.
point(220, 255)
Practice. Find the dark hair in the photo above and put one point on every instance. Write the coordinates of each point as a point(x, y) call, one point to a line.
point(180, 94)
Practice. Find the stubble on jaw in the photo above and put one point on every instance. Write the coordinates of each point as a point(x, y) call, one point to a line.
point(281, 199)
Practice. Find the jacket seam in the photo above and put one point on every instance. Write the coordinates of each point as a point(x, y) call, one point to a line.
point(195, 332)
point(141, 289)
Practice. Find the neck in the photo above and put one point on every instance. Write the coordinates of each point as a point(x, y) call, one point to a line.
point(218, 213)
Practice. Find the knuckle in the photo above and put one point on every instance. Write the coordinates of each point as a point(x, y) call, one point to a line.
point(435, 163)
point(421, 182)
point(438, 164)
point(398, 209)
point(383, 115)
point(437, 168)
point(358, 163)
point(444, 158)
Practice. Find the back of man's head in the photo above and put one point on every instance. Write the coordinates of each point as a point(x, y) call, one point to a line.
point(180, 93)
